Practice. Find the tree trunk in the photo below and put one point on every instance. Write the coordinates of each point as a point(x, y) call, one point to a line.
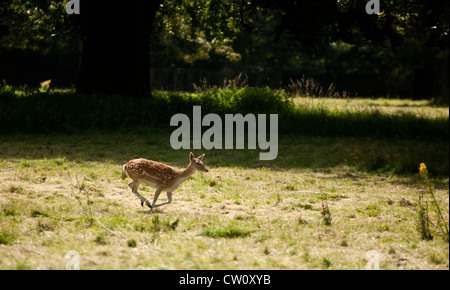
point(445, 79)
point(116, 46)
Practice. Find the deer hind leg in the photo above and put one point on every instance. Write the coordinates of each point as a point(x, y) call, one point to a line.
point(169, 199)
point(134, 186)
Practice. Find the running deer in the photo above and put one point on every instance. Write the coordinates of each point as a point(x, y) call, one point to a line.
point(46, 85)
point(160, 176)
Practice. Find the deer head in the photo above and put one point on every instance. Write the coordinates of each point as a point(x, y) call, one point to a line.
point(197, 163)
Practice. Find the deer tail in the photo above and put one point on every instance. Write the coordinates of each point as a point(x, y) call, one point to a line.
point(124, 173)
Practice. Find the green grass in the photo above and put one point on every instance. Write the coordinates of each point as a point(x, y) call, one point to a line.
point(243, 214)
point(9, 212)
point(62, 111)
point(37, 213)
point(232, 230)
point(101, 239)
point(7, 238)
point(424, 108)
point(61, 192)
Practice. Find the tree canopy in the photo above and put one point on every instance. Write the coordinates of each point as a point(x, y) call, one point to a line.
point(402, 51)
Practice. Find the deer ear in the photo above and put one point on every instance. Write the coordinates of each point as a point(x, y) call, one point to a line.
point(201, 157)
point(191, 156)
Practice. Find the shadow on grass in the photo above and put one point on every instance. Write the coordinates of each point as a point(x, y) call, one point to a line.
point(69, 112)
point(341, 155)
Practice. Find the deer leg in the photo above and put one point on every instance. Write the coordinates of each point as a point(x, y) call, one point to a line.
point(134, 186)
point(169, 200)
point(155, 197)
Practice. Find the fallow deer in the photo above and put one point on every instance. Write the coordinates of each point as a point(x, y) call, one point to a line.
point(46, 85)
point(160, 176)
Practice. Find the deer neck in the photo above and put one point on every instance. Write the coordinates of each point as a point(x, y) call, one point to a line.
point(184, 174)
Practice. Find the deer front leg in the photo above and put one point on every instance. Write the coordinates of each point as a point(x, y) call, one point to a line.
point(169, 200)
point(134, 186)
point(155, 197)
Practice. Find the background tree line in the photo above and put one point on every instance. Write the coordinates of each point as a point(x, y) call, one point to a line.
point(134, 46)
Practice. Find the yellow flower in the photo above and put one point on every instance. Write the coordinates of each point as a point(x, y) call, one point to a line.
point(423, 170)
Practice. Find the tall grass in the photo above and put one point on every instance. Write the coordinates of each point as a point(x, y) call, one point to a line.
point(38, 112)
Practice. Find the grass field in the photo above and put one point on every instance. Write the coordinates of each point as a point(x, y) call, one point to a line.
point(62, 192)
point(386, 106)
